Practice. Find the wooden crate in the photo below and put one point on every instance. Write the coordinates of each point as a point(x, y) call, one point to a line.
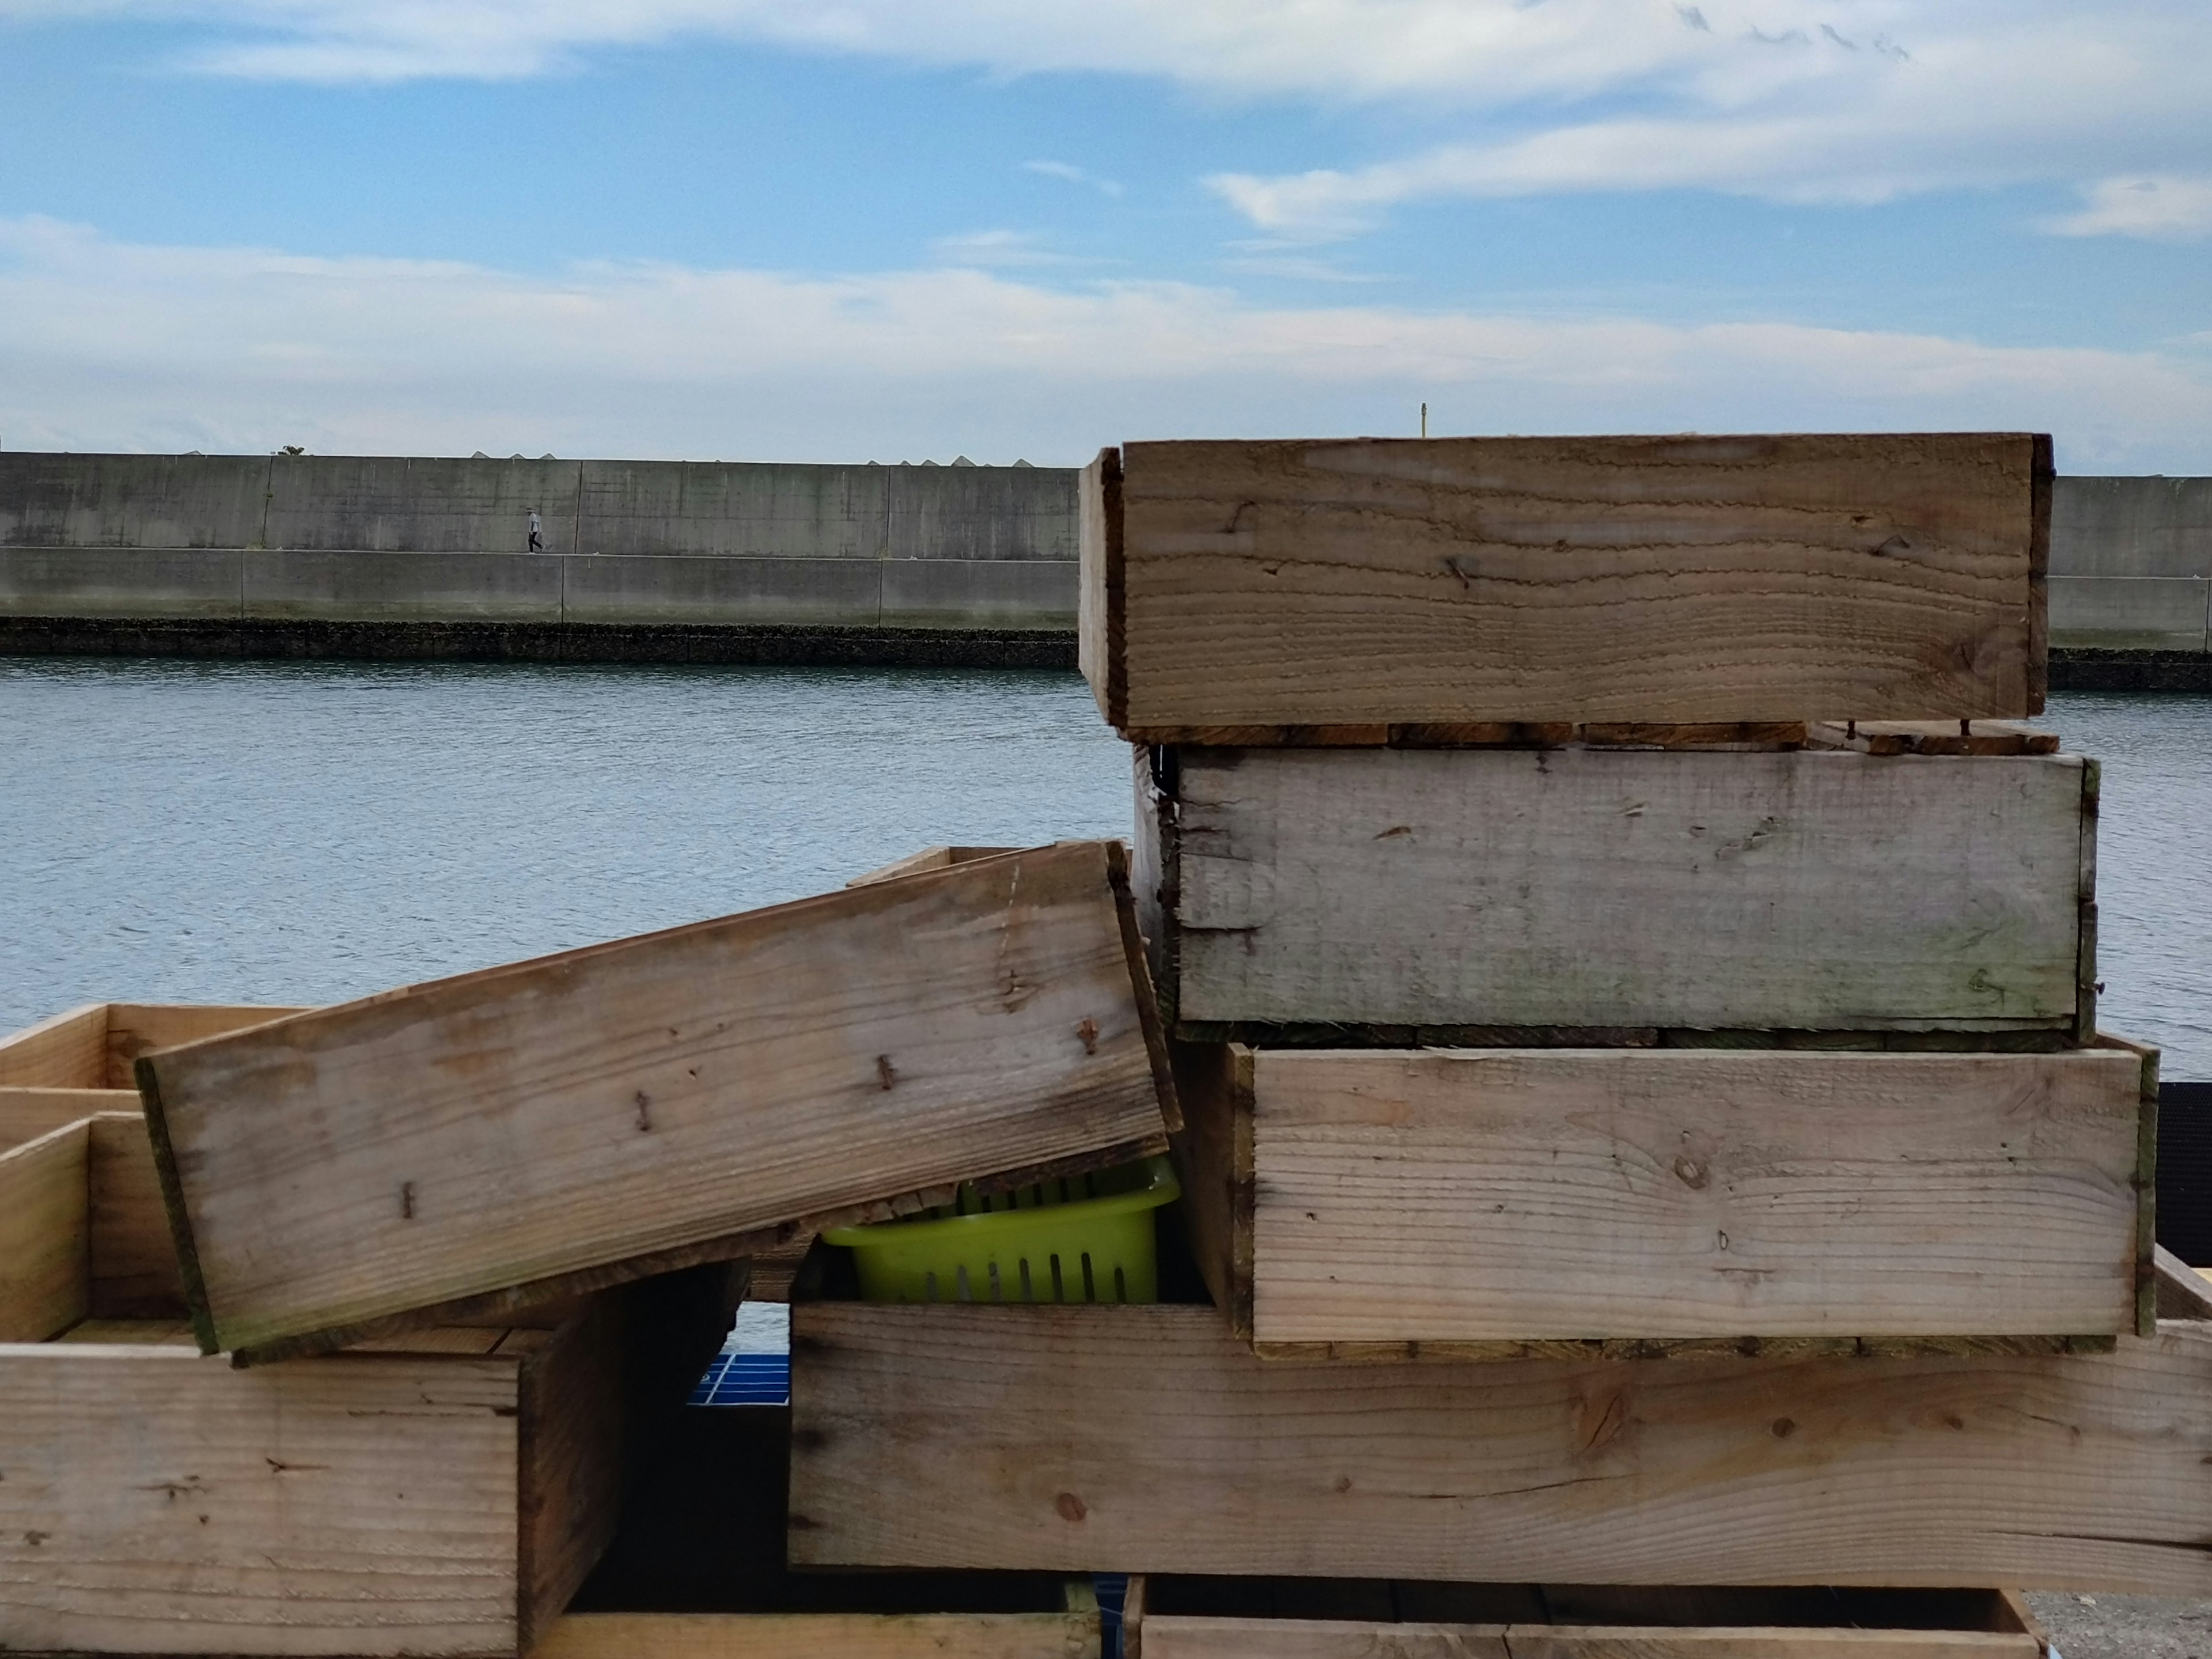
point(504, 1137)
point(1427, 896)
point(1147, 1440)
point(78, 1063)
point(1181, 1617)
point(1506, 1202)
point(440, 1493)
point(1684, 578)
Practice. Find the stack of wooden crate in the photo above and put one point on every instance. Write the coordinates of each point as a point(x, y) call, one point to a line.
point(1633, 1001)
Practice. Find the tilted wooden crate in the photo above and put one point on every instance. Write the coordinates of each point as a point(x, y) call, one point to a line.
point(1174, 1618)
point(79, 1062)
point(440, 1493)
point(1612, 895)
point(1496, 1203)
point(503, 1137)
point(1324, 583)
point(1149, 1439)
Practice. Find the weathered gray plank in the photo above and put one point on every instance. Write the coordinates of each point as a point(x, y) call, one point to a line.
point(1583, 888)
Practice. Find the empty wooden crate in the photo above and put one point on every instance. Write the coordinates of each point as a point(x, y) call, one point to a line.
point(1379, 1203)
point(442, 1493)
point(1370, 581)
point(1377, 894)
point(486, 1141)
point(77, 1063)
point(1150, 1439)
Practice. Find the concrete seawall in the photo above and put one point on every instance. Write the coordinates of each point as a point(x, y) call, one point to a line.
point(293, 555)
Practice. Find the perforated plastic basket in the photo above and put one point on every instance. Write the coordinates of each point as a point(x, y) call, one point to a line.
point(1088, 1238)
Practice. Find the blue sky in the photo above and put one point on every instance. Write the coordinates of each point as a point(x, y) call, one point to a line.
point(868, 230)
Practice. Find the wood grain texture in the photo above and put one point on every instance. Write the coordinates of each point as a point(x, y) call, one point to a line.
point(1173, 1638)
point(45, 1236)
point(353, 1505)
point(930, 858)
point(1614, 889)
point(69, 1051)
point(1563, 579)
point(1147, 1440)
point(133, 1262)
point(822, 1636)
point(139, 1028)
point(574, 1458)
point(628, 1104)
point(1439, 1196)
point(26, 1113)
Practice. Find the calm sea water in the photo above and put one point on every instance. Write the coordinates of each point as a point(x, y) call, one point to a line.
point(311, 832)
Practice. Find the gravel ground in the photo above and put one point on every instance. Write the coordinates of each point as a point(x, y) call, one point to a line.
point(2125, 1626)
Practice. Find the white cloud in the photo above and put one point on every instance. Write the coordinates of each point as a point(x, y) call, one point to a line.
point(1824, 99)
point(2161, 209)
point(1074, 175)
point(985, 249)
point(107, 344)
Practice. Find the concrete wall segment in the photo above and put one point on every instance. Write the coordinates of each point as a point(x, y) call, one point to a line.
point(398, 504)
point(2131, 527)
point(738, 509)
point(297, 584)
point(1006, 594)
point(132, 501)
point(147, 584)
point(744, 592)
point(2130, 613)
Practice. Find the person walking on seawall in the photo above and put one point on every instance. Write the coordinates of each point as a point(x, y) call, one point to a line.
point(536, 540)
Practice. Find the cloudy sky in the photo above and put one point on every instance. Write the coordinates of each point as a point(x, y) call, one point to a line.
point(854, 230)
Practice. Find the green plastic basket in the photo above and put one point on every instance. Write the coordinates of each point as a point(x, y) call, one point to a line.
point(1088, 1238)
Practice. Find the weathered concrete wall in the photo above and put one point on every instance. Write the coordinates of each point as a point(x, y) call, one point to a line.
point(396, 504)
point(2131, 564)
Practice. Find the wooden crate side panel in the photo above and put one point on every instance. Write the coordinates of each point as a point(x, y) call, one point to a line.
point(343, 1506)
point(139, 1028)
point(27, 1113)
point(1214, 1163)
point(822, 1636)
point(1625, 889)
point(45, 1236)
point(1186, 1638)
point(658, 1094)
point(1601, 579)
point(69, 1051)
point(1148, 1439)
point(133, 1258)
point(1101, 648)
point(1470, 1195)
point(574, 1455)
point(930, 858)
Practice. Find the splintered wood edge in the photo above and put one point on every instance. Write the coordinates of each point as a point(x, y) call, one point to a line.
point(1140, 985)
point(1615, 1348)
point(729, 1246)
point(173, 1201)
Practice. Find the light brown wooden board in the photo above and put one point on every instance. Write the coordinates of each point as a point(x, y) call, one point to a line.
point(1291, 1638)
point(155, 1503)
point(91, 1047)
point(930, 858)
point(1587, 889)
point(133, 1262)
point(26, 1114)
point(1503, 1196)
point(1148, 1439)
point(45, 1236)
point(139, 1028)
point(1683, 578)
point(821, 1636)
point(606, 1111)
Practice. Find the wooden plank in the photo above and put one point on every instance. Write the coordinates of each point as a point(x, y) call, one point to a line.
point(1404, 889)
point(1444, 1196)
point(1932, 738)
point(45, 1236)
point(1147, 1440)
point(133, 1259)
point(573, 1460)
point(531, 1131)
point(354, 1505)
point(1172, 1637)
point(1727, 735)
point(27, 1113)
point(821, 1636)
point(68, 1051)
point(2183, 1291)
point(139, 1028)
point(930, 858)
point(1682, 579)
